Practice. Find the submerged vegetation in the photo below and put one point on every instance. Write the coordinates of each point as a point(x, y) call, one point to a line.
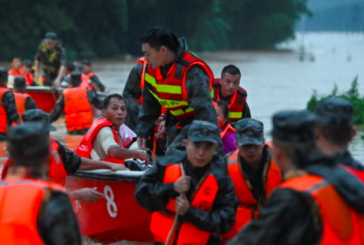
point(352, 95)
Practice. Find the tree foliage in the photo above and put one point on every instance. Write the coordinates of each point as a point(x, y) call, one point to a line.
point(111, 28)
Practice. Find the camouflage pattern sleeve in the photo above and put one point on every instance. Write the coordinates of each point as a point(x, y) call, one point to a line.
point(93, 99)
point(8, 102)
point(57, 109)
point(30, 104)
point(246, 111)
point(131, 94)
point(198, 94)
point(149, 113)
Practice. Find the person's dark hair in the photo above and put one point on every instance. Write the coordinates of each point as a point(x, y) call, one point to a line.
point(19, 83)
point(70, 66)
point(225, 110)
point(157, 37)
point(106, 101)
point(75, 78)
point(231, 69)
point(338, 135)
point(28, 63)
point(3, 75)
point(86, 62)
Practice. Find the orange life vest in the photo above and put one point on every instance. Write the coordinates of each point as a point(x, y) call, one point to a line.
point(28, 78)
point(57, 173)
point(3, 116)
point(142, 81)
point(358, 173)
point(20, 100)
point(227, 128)
point(85, 82)
point(77, 109)
point(248, 208)
point(89, 75)
point(85, 147)
point(20, 202)
point(161, 223)
point(171, 91)
point(13, 72)
point(341, 223)
point(237, 102)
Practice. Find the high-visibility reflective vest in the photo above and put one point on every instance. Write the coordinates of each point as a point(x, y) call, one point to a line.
point(248, 208)
point(20, 202)
point(237, 102)
point(170, 91)
point(85, 147)
point(204, 199)
point(227, 129)
point(20, 100)
point(3, 116)
point(57, 173)
point(85, 82)
point(77, 109)
point(341, 223)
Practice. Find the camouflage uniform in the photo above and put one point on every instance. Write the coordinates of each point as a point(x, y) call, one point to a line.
point(8, 102)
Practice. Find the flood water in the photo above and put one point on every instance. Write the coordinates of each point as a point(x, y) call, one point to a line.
point(274, 80)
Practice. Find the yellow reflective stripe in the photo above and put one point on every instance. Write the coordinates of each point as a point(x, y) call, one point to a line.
point(235, 114)
point(181, 112)
point(212, 93)
point(169, 104)
point(170, 89)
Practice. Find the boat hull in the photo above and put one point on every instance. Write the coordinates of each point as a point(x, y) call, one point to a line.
point(116, 217)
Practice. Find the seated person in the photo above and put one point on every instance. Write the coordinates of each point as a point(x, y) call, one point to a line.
point(63, 161)
point(203, 197)
point(85, 79)
point(227, 89)
point(93, 77)
point(102, 141)
point(252, 170)
point(27, 70)
point(75, 102)
point(227, 131)
point(15, 70)
point(23, 100)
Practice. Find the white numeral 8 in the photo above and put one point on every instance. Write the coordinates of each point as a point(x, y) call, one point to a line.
point(111, 206)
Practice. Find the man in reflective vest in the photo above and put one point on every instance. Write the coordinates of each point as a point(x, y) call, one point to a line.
point(318, 202)
point(52, 56)
point(255, 175)
point(227, 89)
point(23, 100)
point(193, 185)
point(93, 78)
point(176, 79)
point(75, 102)
point(335, 130)
point(33, 210)
point(8, 110)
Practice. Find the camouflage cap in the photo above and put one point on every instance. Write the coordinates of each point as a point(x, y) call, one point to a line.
point(249, 132)
point(38, 115)
point(50, 37)
point(204, 131)
point(335, 110)
point(28, 143)
point(294, 126)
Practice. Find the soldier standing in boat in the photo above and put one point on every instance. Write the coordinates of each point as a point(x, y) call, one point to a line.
point(52, 56)
point(8, 110)
point(75, 102)
point(254, 173)
point(203, 197)
point(318, 202)
point(34, 211)
point(227, 89)
point(176, 79)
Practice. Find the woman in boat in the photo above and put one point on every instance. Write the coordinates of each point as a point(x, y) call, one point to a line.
point(227, 131)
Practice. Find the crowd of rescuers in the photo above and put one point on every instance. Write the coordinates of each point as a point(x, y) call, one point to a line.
point(52, 57)
point(214, 181)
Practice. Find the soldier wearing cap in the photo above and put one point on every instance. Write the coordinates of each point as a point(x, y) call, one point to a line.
point(75, 102)
point(53, 58)
point(318, 202)
point(8, 110)
point(64, 161)
point(252, 170)
point(93, 78)
point(335, 130)
point(192, 184)
point(23, 100)
point(33, 210)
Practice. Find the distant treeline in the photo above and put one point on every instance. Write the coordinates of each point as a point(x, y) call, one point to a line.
point(90, 29)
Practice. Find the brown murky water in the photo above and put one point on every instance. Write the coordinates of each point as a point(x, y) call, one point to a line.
point(274, 80)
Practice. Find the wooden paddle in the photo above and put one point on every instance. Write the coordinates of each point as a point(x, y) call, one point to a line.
point(176, 216)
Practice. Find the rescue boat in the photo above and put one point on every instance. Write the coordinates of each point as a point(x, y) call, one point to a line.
point(117, 217)
point(46, 97)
